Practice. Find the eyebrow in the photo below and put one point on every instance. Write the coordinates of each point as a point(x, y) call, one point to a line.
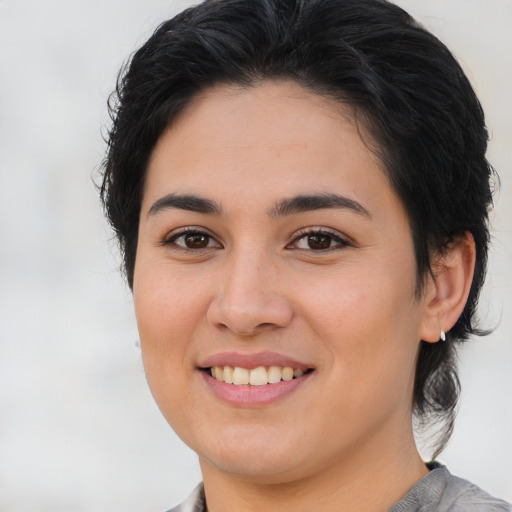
point(306, 203)
point(188, 202)
point(297, 204)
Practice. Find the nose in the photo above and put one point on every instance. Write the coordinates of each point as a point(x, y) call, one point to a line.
point(250, 296)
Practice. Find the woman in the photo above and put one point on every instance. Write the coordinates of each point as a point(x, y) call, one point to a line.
point(301, 195)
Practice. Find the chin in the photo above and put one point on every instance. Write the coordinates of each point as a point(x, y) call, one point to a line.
point(264, 468)
point(260, 454)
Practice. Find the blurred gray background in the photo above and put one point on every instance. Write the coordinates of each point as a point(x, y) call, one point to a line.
point(78, 428)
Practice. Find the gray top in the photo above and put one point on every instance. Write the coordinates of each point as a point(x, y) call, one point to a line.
point(439, 491)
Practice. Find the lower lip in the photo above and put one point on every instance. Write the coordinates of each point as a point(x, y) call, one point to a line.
point(253, 396)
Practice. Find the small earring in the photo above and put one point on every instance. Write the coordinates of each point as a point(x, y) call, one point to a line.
point(443, 335)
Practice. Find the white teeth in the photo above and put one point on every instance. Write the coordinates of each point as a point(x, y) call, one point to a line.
point(255, 377)
point(240, 376)
point(287, 373)
point(274, 374)
point(228, 374)
point(258, 376)
point(219, 374)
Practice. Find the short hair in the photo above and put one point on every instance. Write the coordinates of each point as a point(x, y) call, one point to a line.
point(401, 83)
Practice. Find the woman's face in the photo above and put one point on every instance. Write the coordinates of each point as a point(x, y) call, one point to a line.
point(270, 237)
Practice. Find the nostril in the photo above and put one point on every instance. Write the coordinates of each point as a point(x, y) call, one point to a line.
point(264, 325)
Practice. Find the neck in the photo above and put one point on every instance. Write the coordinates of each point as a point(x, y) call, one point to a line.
point(370, 480)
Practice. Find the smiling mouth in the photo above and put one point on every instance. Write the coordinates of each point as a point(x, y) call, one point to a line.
point(260, 376)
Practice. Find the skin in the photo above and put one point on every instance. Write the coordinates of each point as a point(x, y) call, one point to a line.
point(349, 311)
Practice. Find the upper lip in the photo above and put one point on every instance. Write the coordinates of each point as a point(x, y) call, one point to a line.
point(252, 360)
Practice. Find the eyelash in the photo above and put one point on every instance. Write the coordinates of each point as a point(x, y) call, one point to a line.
point(303, 234)
point(334, 237)
point(189, 231)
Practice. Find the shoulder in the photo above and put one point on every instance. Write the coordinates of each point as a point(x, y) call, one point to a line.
point(194, 503)
point(463, 496)
point(440, 491)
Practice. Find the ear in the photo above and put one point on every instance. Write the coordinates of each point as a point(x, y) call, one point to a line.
point(446, 292)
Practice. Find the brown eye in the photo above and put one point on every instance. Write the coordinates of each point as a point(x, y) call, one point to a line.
point(193, 240)
point(196, 240)
point(319, 241)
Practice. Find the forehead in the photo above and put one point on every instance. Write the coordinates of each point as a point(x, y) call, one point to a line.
point(272, 138)
point(272, 112)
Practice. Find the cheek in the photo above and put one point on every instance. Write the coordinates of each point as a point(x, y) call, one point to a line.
point(349, 303)
point(368, 322)
point(167, 307)
point(167, 312)
point(371, 357)
point(166, 320)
